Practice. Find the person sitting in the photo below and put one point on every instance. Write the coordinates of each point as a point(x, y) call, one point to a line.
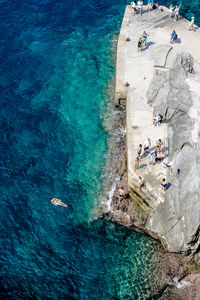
point(121, 192)
point(56, 202)
point(162, 155)
point(153, 158)
point(157, 119)
point(139, 46)
point(173, 36)
point(134, 7)
point(147, 144)
point(155, 5)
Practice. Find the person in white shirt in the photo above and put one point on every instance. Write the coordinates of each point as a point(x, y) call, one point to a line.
point(147, 144)
point(171, 11)
point(176, 12)
point(139, 4)
point(191, 26)
point(134, 7)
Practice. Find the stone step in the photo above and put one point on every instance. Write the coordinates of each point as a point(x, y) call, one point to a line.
point(147, 203)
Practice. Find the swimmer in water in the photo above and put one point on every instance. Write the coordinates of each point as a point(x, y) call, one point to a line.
point(56, 201)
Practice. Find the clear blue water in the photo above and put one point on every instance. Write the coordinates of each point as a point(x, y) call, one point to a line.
point(56, 63)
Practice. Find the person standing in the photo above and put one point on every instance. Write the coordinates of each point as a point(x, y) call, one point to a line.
point(159, 144)
point(149, 5)
point(171, 11)
point(139, 4)
point(191, 26)
point(176, 12)
point(139, 150)
point(144, 38)
point(137, 163)
point(164, 184)
point(139, 45)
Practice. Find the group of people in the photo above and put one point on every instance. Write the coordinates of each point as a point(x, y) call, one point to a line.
point(138, 6)
point(174, 11)
point(157, 154)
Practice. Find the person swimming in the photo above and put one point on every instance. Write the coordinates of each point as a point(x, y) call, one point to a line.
point(56, 201)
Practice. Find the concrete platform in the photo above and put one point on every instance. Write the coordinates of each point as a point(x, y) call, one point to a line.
point(137, 69)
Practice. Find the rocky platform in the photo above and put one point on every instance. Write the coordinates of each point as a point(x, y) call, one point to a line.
point(164, 78)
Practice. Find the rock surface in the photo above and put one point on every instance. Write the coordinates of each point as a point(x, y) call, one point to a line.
point(175, 93)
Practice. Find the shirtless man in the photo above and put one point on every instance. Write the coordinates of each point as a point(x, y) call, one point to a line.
point(139, 150)
point(159, 144)
point(121, 193)
point(56, 201)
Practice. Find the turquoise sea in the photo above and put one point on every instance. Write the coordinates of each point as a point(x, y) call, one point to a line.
point(57, 62)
